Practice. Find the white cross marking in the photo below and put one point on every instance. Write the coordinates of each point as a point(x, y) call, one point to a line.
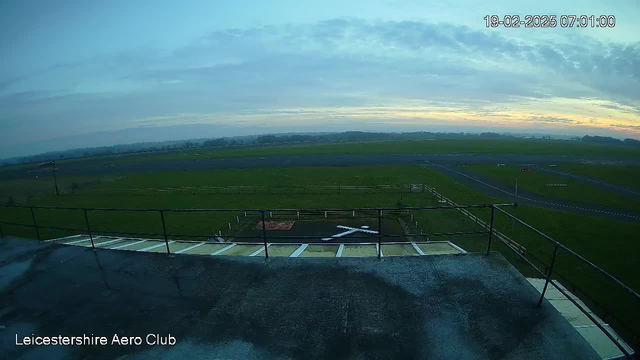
point(350, 230)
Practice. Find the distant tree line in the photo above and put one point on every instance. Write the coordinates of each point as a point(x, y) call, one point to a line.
point(609, 140)
point(290, 138)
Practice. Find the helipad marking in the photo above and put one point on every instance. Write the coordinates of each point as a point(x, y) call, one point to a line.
point(259, 251)
point(223, 249)
point(299, 250)
point(126, 245)
point(155, 246)
point(350, 230)
point(189, 248)
point(340, 250)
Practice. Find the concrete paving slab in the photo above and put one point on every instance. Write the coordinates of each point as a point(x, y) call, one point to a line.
point(438, 249)
point(162, 249)
point(399, 250)
point(596, 338)
point(123, 244)
point(359, 250)
point(600, 342)
point(178, 246)
point(142, 245)
point(242, 250)
point(572, 313)
point(65, 238)
point(320, 251)
point(206, 249)
point(552, 293)
point(281, 250)
point(76, 241)
point(99, 240)
point(414, 307)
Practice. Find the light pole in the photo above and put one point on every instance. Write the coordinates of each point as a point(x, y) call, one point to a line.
point(515, 201)
point(52, 164)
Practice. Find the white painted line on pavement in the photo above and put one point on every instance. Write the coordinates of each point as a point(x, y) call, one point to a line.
point(299, 250)
point(126, 245)
point(79, 241)
point(340, 250)
point(155, 246)
point(462, 251)
point(417, 248)
point(109, 242)
point(189, 248)
point(259, 250)
point(223, 249)
point(64, 238)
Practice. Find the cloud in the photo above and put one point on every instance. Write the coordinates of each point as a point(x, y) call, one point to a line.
point(339, 64)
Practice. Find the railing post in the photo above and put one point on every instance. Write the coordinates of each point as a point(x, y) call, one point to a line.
point(164, 231)
point(86, 220)
point(490, 229)
point(1, 231)
point(546, 283)
point(264, 236)
point(379, 234)
point(35, 225)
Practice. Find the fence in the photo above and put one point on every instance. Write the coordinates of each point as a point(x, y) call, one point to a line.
point(547, 273)
point(257, 189)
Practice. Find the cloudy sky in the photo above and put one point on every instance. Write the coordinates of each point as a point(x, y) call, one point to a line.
point(86, 73)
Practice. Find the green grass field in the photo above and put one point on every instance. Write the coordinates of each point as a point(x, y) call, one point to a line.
point(606, 242)
point(441, 146)
point(519, 146)
point(621, 175)
point(535, 182)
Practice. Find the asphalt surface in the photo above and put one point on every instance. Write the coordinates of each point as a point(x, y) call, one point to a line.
point(88, 168)
point(430, 307)
point(493, 187)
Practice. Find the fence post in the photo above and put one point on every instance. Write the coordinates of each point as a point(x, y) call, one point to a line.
point(379, 234)
point(264, 236)
point(164, 231)
point(86, 220)
point(35, 225)
point(490, 230)
point(1, 232)
point(546, 283)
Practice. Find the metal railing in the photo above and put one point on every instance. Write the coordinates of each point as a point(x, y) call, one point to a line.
point(379, 213)
point(550, 272)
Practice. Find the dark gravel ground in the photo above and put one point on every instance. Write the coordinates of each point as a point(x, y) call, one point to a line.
point(429, 307)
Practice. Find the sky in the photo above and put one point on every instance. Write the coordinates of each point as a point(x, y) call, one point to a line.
point(78, 73)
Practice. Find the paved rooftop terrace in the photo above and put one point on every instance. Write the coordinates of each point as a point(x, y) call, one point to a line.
point(408, 307)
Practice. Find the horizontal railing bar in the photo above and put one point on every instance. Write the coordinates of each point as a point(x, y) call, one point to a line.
point(528, 262)
point(571, 252)
point(252, 210)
